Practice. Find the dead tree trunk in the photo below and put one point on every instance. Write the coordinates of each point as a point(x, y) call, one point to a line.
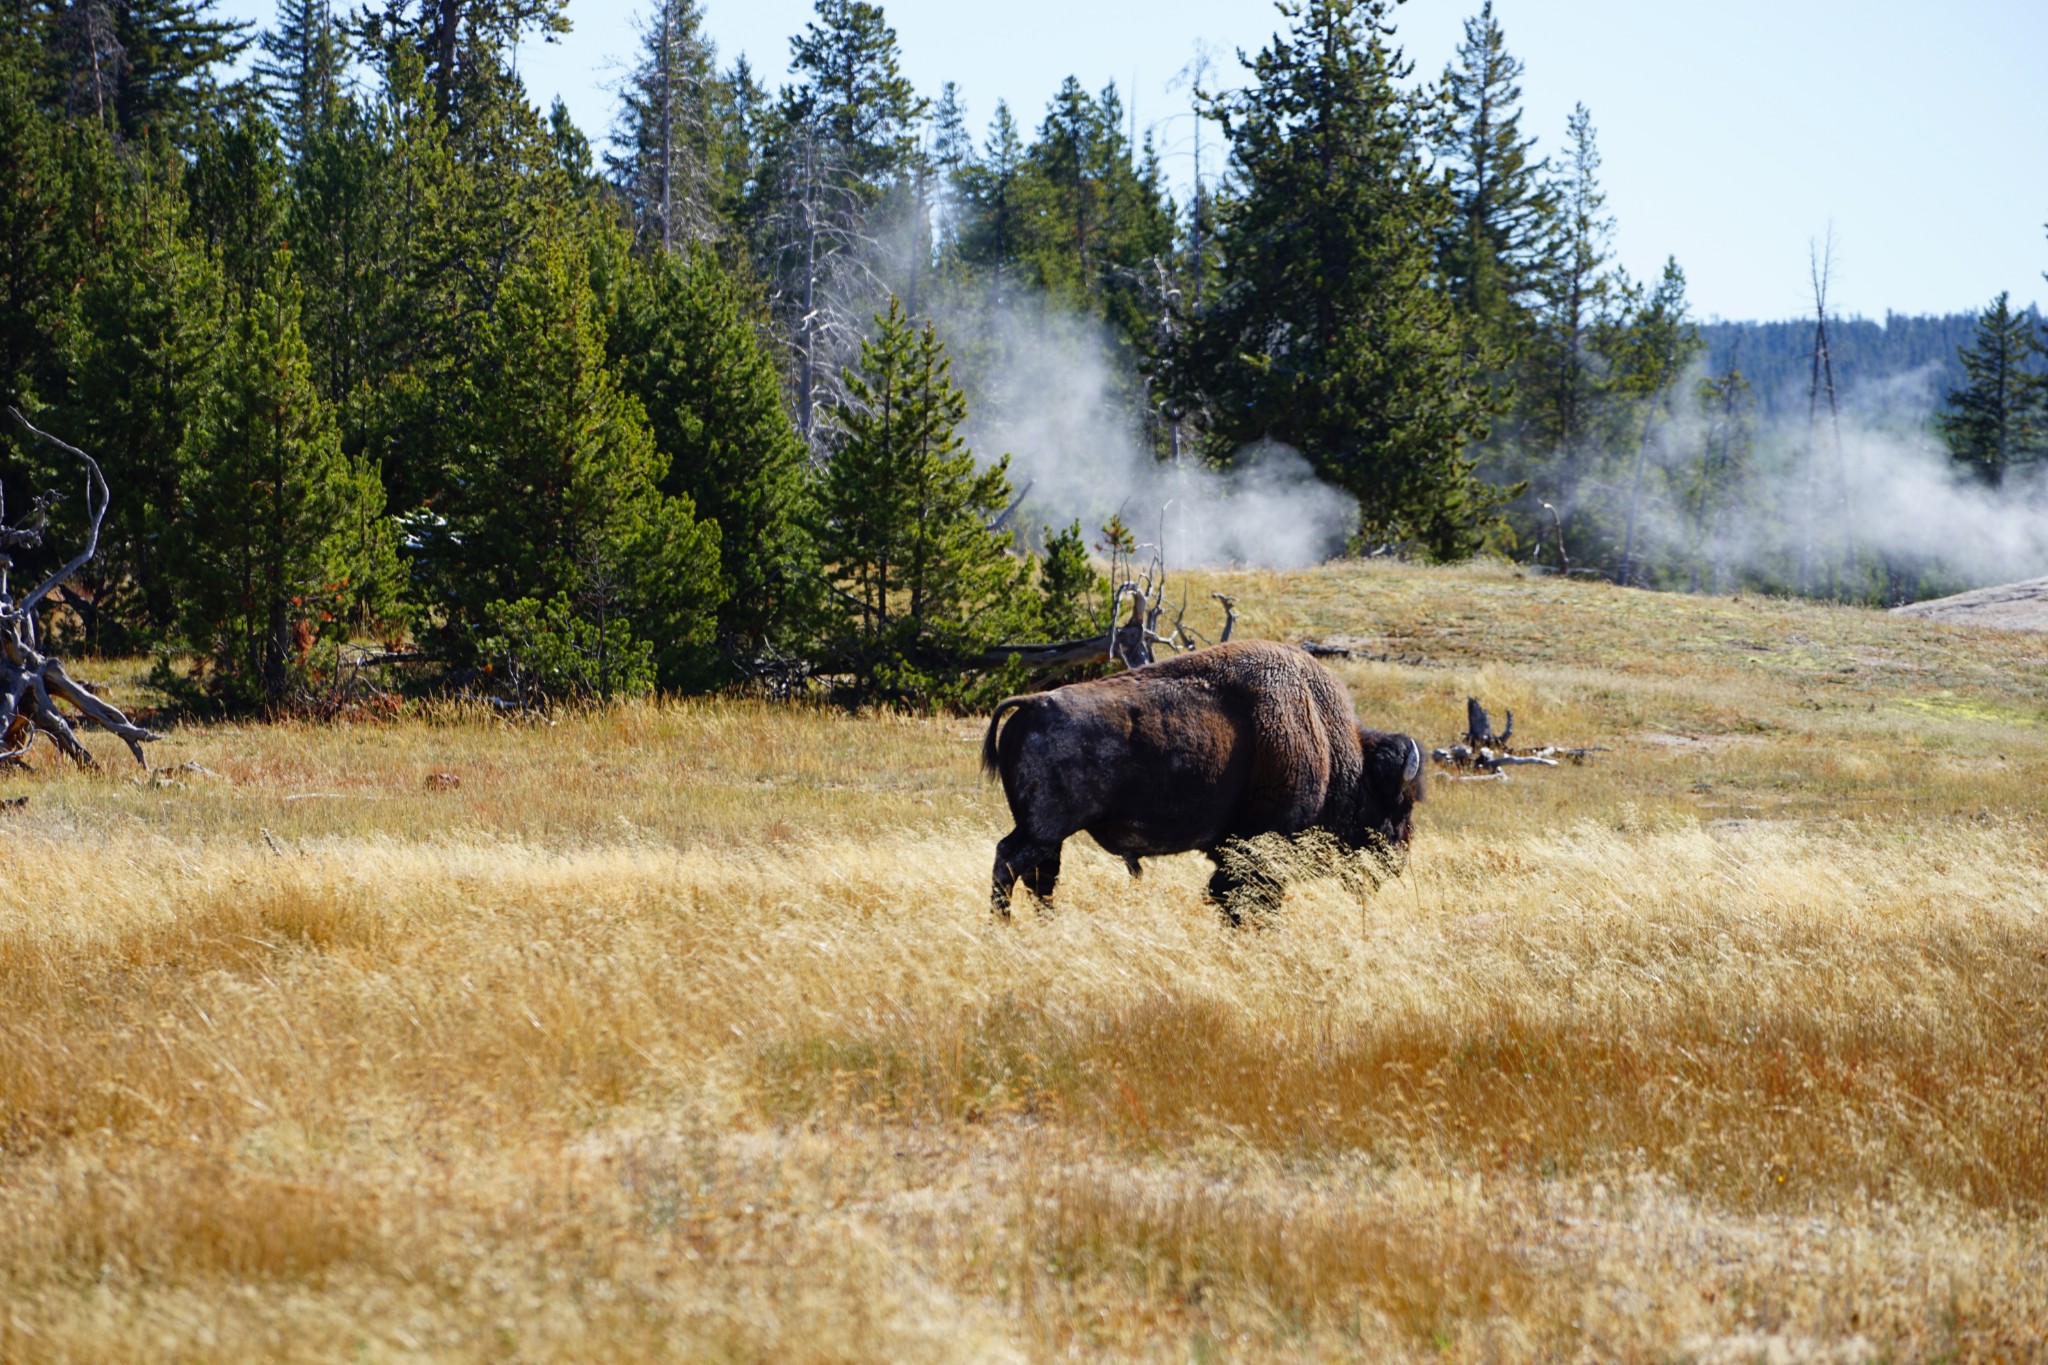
point(32, 682)
point(1479, 726)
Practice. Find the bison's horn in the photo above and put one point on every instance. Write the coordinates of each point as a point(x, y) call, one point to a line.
point(1409, 773)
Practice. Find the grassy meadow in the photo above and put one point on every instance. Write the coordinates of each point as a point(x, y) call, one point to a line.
point(684, 1031)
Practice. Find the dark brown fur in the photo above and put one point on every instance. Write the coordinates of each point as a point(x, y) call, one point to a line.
point(1193, 752)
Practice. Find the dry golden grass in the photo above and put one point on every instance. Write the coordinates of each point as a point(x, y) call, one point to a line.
point(684, 1032)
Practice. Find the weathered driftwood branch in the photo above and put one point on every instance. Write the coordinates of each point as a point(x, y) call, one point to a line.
point(31, 682)
point(1465, 756)
point(1092, 649)
point(1481, 749)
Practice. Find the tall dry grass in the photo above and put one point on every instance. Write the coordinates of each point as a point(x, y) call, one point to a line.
point(684, 1032)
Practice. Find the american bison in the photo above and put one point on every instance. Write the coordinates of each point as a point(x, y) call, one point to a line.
point(1200, 751)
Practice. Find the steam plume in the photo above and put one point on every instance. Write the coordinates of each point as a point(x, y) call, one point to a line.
point(1043, 385)
point(1892, 492)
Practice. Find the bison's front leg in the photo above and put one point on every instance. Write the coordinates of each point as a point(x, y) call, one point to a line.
point(1020, 858)
point(1241, 886)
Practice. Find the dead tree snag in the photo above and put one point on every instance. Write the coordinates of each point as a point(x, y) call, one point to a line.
point(32, 682)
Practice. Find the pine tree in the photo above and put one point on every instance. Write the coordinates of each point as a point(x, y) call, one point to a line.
point(1561, 385)
point(163, 56)
point(851, 84)
point(1996, 420)
point(744, 111)
point(81, 61)
point(833, 148)
point(35, 221)
point(1647, 350)
point(923, 584)
point(396, 279)
point(952, 153)
point(463, 47)
point(1094, 217)
point(345, 245)
point(289, 546)
point(1067, 193)
point(239, 198)
point(1718, 485)
point(141, 345)
point(556, 492)
point(1067, 582)
point(448, 212)
point(1495, 250)
point(686, 343)
point(569, 155)
point(1326, 330)
point(991, 188)
point(300, 72)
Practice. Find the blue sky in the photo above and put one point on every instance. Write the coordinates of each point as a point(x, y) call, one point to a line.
point(1733, 132)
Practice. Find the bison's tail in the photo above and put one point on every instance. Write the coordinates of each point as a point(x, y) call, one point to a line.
point(989, 763)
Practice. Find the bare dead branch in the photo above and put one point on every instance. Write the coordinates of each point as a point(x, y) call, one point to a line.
point(1229, 615)
point(1004, 520)
point(52, 723)
point(26, 674)
point(1131, 636)
point(96, 510)
point(107, 717)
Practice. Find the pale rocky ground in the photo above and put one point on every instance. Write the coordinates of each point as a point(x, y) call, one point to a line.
point(2006, 606)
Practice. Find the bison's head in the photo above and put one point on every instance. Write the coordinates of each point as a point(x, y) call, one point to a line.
point(1387, 790)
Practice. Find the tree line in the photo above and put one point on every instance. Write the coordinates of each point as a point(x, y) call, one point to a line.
point(1869, 354)
point(371, 347)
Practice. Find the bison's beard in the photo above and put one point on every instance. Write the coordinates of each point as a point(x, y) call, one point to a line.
point(1265, 863)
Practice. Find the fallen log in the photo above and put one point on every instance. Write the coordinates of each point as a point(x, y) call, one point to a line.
point(1093, 649)
point(1134, 643)
point(1465, 756)
point(1481, 750)
point(1338, 649)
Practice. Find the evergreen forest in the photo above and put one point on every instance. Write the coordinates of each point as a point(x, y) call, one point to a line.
point(375, 351)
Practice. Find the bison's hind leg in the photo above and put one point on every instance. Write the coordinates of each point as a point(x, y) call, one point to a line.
point(1020, 858)
point(1131, 862)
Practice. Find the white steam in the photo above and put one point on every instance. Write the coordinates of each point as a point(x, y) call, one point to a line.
point(1044, 387)
point(1887, 489)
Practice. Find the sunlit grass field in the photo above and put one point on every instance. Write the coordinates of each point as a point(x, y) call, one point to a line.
point(684, 1032)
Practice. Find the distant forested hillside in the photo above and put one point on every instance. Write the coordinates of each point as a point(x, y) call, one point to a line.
point(1777, 357)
